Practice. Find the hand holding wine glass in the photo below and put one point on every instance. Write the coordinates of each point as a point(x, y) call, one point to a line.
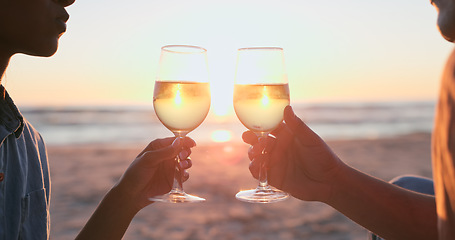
point(261, 93)
point(182, 101)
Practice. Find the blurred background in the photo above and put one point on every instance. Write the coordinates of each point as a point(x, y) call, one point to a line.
point(348, 53)
point(359, 72)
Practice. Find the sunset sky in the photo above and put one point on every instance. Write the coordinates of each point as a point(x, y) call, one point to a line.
point(352, 50)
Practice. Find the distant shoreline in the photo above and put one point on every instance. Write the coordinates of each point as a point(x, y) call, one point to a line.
point(130, 125)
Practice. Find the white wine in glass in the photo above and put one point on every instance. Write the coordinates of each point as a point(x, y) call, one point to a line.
point(261, 92)
point(181, 100)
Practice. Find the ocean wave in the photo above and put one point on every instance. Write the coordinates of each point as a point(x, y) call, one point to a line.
point(129, 124)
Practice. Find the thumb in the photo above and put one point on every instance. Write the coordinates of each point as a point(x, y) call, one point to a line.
point(300, 129)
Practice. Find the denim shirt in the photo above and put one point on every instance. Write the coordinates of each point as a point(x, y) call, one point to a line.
point(24, 176)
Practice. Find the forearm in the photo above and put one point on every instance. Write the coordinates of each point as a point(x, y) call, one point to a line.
point(111, 218)
point(385, 209)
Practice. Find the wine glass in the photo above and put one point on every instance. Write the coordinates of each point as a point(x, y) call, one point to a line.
point(261, 92)
point(181, 100)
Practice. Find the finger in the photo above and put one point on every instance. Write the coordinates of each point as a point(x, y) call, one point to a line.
point(249, 137)
point(265, 145)
point(185, 164)
point(270, 142)
point(160, 143)
point(251, 153)
point(278, 129)
point(188, 142)
point(280, 145)
point(185, 176)
point(184, 153)
point(157, 144)
point(155, 157)
point(257, 149)
point(258, 164)
point(254, 167)
point(254, 151)
point(151, 160)
point(301, 130)
point(278, 174)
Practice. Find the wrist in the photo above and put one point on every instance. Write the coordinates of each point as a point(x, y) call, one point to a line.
point(111, 218)
point(117, 197)
point(337, 183)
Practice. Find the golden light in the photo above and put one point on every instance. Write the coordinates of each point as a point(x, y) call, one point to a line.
point(221, 136)
point(265, 101)
point(178, 96)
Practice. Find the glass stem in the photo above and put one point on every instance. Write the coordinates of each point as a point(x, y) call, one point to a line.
point(177, 185)
point(263, 184)
point(262, 176)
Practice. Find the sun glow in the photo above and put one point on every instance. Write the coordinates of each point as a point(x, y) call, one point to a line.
point(221, 136)
point(265, 101)
point(178, 96)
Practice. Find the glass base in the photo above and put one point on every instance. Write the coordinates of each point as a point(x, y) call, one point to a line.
point(262, 195)
point(177, 197)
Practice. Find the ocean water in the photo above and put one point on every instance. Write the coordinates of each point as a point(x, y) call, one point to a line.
point(139, 124)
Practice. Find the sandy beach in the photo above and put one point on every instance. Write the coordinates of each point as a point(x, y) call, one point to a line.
point(82, 174)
